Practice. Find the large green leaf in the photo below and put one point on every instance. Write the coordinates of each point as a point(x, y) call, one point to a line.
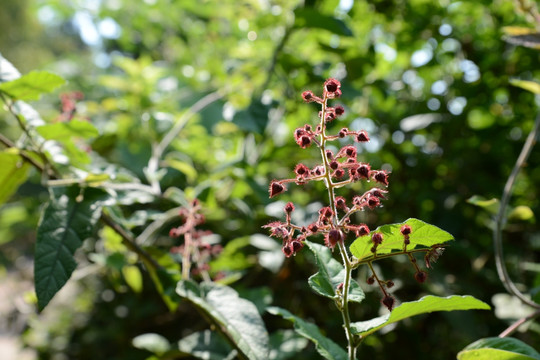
point(236, 318)
point(13, 173)
point(498, 349)
point(325, 346)
point(422, 235)
point(331, 273)
point(68, 219)
point(31, 85)
point(425, 305)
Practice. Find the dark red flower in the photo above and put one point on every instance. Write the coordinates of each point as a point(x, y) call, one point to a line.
point(276, 188)
point(420, 276)
point(362, 136)
point(289, 208)
point(332, 238)
point(301, 170)
point(339, 110)
point(388, 301)
point(308, 96)
point(377, 238)
point(381, 176)
point(405, 230)
point(332, 85)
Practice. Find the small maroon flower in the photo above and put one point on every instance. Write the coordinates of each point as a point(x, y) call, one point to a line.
point(329, 154)
point(405, 230)
point(362, 136)
point(373, 202)
point(389, 284)
point(330, 115)
point(332, 85)
point(307, 127)
point(381, 176)
point(301, 170)
point(362, 230)
point(334, 165)
point(276, 188)
point(287, 250)
point(377, 238)
point(332, 238)
point(340, 202)
point(343, 132)
point(308, 96)
point(388, 301)
point(370, 280)
point(378, 193)
point(313, 228)
point(338, 174)
point(318, 170)
point(289, 208)
point(420, 276)
point(304, 141)
point(296, 245)
point(326, 212)
point(339, 110)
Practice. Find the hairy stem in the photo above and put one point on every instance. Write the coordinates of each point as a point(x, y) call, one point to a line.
point(500, 219)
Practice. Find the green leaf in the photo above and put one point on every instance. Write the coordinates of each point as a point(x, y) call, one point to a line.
point(67, 130)
point(133, 277)
point(531, 86)
point(205, 345)
point(422, 235)
point(285, 344)
point(154, 343)
point(325, 346)
point(254, 118)
point(425, 305)
point(236, 318)
point(69, 218)
point(492, 205)
point(13, 173)
point(31, 85)
point(498, 349)
point(521, 213)
point(331, 274)
point(311, 18)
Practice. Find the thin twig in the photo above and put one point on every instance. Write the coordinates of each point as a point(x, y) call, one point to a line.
point(512, 328)
point(500, 219)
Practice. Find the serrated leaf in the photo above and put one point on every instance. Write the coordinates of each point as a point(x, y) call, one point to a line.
point(67, 130)
point(13, 173)
point(422, 235)
point(236, 318)
point(496, 348)
point(325, 346)
point(331, 273)
point(67, 220)
point(517, 35)
point(425, 305)
point(32, 85)
point(206, 345)
point(491, 205)
point(531, 86)
point(311, 18)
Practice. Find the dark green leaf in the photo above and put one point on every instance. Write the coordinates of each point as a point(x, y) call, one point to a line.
point(236, 318)
point(254, 118)
point(13, 173)
point(311, 18)
point(498, 349)
point(326, 347)
point(425, 305)
point(285, 344)
point(32, 85)
point(422, 235)
point(205, 345)
point(331, 274)
point(68, 219)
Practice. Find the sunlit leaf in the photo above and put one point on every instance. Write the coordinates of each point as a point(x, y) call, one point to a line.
point(236, 318)
point(522, 36)
point(67, 220)
point(531, 86)
point(325, 346)
point(13, 173)
point(422, 235)
point(425, 305)
point(66, 130)
point(152, 342)
point(496, 348)
point(32, 85)
point(491, 205)
point(311, 18)
point(521, 213)
point(133, 277)
point(205, 345)
point(331, 273)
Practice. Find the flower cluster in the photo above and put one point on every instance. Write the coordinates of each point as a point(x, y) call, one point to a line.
point(336, 170)
point(195, 249)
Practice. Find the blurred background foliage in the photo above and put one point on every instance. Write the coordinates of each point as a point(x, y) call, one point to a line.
point(429, 81)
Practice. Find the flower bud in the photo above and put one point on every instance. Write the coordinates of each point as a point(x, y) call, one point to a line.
point(332, 85)
point(333, 237)
point(388, 301)
point(405, 230)
point(362, 136)
point(339, 110)
point(308, 96)
point(289, 208)
point(420, 276)
point(276, 188)
point(377, 238)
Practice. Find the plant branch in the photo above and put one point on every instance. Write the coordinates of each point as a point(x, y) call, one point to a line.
point(500, 219)
point(512, 328)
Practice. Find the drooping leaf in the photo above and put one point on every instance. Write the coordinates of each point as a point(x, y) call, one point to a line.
point(325, 346)
point(32, 85)
point(522, 36)
point(67, 220)
point(331, 273)
point(491, 205)
point(66, 130)
point(13, 173)
point(236, 318)
point(425, 305)
point(422, 235)
point(286, 344)
point(496, 348)
point(531, 86)
point(311, 18)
